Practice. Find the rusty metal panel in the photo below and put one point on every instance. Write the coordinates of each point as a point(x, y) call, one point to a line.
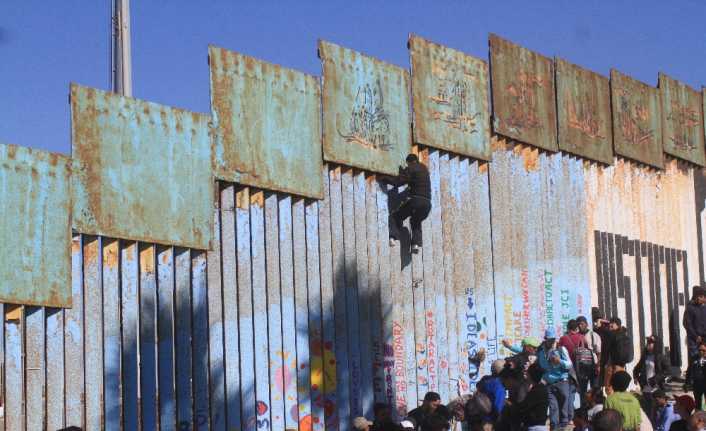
point(637, 128)
point(450, 97)
point(141, 171)
point(524, 106)
point(35, 230)
point(682, 120)
point(366, 110)
point(583, 112)
point(268, 124)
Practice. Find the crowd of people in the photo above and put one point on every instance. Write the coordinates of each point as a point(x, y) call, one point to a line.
point(574, 381)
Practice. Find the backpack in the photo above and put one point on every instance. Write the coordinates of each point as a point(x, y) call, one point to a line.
point(580, 354)
point(623, 351)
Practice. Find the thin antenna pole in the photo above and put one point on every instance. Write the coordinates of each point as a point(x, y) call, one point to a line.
point(121, 66)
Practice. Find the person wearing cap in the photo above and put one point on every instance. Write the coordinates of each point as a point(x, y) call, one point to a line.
point(683, 405)
point(361, 424)
point(525, 354)
point(664, 414)
point(556, 363)
point(624, 402)
point(418, 204)
point(430, 406)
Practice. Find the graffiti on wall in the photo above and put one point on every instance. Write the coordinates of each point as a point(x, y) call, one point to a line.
point(655, 267)
point(688, 119)
point(634, 120)
point(453, 105)
point(368, 124)
point(523, 94)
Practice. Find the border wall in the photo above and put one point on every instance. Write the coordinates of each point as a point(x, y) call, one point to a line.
point(214, 285)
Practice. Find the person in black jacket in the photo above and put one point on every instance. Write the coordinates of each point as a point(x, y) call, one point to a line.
point(617, 348)
point(653, 366)
point(532, 410)
point(694, 321)
point(418, 204)
point(696, 375)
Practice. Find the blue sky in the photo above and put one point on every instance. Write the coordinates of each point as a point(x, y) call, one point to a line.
point(46, 45)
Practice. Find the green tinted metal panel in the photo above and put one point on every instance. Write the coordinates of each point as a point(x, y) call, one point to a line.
point(142, 171)
point(524, 106)
point(268, 124)
point(450, 97)
point(583, 100)
point(682, 120)
point(366, 110)
point(35, 227)
point(637, 128)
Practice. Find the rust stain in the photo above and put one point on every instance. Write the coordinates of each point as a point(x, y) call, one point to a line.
point(13, 313)
point(483, 167)
point(147, 259)
point(257, 199)
point(530, 156)
point(242, 198)
point(90, 250)
point(110, 255)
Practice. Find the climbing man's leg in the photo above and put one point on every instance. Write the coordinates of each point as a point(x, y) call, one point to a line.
point(397, 219)
point(420, 210)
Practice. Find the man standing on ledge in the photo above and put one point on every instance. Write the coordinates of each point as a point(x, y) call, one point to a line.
point(418, 204)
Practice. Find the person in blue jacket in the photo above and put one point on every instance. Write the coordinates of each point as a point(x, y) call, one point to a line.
point(492, 386)
point(557, 366)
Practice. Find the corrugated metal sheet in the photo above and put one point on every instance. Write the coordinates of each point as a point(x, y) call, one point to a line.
point(141, 171)
point(267, 124)
point(682, 120)
point(637, 122)
point(643, 243)
point(35, 231)
point(583, 112)
point(366, 110)
point(450, 98)
point(539, 244)
point(524, 103)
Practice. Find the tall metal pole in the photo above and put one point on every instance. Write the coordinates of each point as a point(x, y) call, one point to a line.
point(121, 67)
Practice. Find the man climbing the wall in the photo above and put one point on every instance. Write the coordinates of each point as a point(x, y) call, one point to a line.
point(418, 203)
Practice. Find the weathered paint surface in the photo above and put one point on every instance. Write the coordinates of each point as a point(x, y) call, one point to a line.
point(141, 171)
point(524, 105)
point(643, 247)
point(450, 98)
point(682, 120)
point(267, 124)
point(583, 112)
point(539, 249)
point(35, 230)
point(637, 121)
point(366, 110)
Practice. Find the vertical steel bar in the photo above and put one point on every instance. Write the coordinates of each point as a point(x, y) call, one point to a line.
point(93, 331)
point(343, 395)
point(14, 371)
point(111, 340)
point(364, 297)
point(301, 314)
point(289, 330)
point(259, 292)
point(215, 286)
point(182, 338)
point(230, 318)
point(165, 337)
point(274, 313)
point(351, 289)
point(148, 338)
point(327, 307)
point(200, 339)
point(34, 368)
point(129, 274)
point(55, 368)
point(316, 347)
